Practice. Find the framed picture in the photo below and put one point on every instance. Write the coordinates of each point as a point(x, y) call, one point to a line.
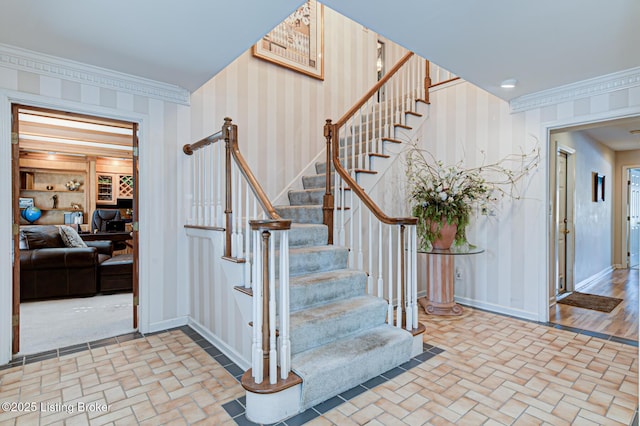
point(598, 187)
point(298, 42)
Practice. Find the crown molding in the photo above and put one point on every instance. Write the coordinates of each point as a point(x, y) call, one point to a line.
point(581, 89)
point(26, 60)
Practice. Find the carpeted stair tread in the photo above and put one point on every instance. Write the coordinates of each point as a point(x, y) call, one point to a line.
point(331, 369)
point(314, 289)
point(307, 260)
point(322, 324)
point(301, 214)
point(306, 197)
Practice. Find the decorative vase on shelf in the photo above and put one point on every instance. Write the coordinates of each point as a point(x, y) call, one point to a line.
point(445, 236)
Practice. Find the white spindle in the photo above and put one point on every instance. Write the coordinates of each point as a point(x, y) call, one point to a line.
point(408, 288)
point(414, 273)
point(360, 253)
point(194, 194)
point(351, 240)
point(390, 275)
point(380, 279)
point(220, 169)
point(370, 254)
point(205, 186)
point(273, 351)
point(257, 316)
point(198, 190)
point(285, 345)
point(238, 216)
point(247, 245)
point(399, 281)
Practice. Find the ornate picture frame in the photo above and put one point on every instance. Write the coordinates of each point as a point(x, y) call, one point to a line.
point(297, 43)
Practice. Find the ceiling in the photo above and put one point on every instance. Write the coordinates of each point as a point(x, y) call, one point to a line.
point(543, 44)
point(616, 134)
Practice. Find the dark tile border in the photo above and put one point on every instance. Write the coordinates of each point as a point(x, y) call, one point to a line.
point(67, 350)
point(239, 416)
point(576, 330)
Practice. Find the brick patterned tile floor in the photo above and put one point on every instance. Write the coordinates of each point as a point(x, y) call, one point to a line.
point(494, 370)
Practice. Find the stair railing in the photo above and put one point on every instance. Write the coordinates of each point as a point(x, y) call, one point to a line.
point(358, 137)
point(249, 241)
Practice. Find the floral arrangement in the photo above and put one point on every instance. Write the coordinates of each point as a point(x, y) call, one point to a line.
point(448, 194)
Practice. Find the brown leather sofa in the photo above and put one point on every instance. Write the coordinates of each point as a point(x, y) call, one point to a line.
point(48, 269)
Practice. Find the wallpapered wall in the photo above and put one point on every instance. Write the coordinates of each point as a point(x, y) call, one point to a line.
point(281, 113)
point(164, 126)
point(465, 121)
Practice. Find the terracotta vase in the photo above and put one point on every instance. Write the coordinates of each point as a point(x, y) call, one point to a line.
point(447, 234)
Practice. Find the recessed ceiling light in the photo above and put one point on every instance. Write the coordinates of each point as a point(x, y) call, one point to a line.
point(509, 84)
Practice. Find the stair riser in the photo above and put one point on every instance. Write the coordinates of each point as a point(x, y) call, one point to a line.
point(305, 237)
point(315, 182)
point(310, 262)
point(300, 198)
point(301, 214)
point(317, 331)
point(329, 290)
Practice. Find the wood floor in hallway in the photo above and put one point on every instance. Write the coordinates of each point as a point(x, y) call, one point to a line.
point(621, 322)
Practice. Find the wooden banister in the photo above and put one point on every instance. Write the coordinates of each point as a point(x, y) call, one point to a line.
point(373, 90)
point(189, 149)
point(355, 188)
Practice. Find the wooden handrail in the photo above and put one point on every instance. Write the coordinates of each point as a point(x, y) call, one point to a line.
point(373, 90)
point(232, 134)
point(333, 131)
point(444, 82)
point(189, 149)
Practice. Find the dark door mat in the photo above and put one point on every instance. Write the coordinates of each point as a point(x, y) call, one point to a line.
point(590, 301)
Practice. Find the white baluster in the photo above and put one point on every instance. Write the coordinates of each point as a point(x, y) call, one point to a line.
point(370, 255)
point(351, 240)
point(408, 288)
point(285, 345)
point(258, 372)
point(239, 215)
point(198, 159)
point(367, 136)
point(212, 171)
point(390, 274)
point(220, 178)
point(247, 241)
point(194, 192)
point(360, 253)
point(399, 281)
point(273, 351)
point(414, 273)
point(380, 262)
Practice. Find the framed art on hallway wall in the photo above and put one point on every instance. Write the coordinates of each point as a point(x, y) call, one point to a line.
point(297, 43)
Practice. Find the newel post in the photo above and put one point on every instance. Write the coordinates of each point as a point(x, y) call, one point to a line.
point(327, 200)
point(427, 82)
point(229, 136)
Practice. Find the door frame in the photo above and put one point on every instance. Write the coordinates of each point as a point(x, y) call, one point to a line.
point(570, 241)
point(545, 131)
point(7, 98)
point(624, 205)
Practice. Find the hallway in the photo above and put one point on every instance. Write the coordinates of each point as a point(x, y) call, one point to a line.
point(621, 322)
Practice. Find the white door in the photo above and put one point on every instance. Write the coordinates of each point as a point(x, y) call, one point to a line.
point(562, 222)
point(633, 217)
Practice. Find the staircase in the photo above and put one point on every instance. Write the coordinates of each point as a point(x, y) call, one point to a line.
point(339, 335)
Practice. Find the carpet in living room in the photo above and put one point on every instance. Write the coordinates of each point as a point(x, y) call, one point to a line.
point(54, 324)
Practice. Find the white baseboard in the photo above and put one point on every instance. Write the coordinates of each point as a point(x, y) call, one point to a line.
point(167, 324)
point(588, 281)
point(518, 313)
point(231, 353)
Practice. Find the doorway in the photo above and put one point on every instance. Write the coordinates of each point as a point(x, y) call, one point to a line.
point(57, 159)
point(564, 208)
point(633, 218)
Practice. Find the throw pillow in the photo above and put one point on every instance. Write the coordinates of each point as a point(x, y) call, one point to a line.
point(42, 236)
point(24, 243)
point(70, 237)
